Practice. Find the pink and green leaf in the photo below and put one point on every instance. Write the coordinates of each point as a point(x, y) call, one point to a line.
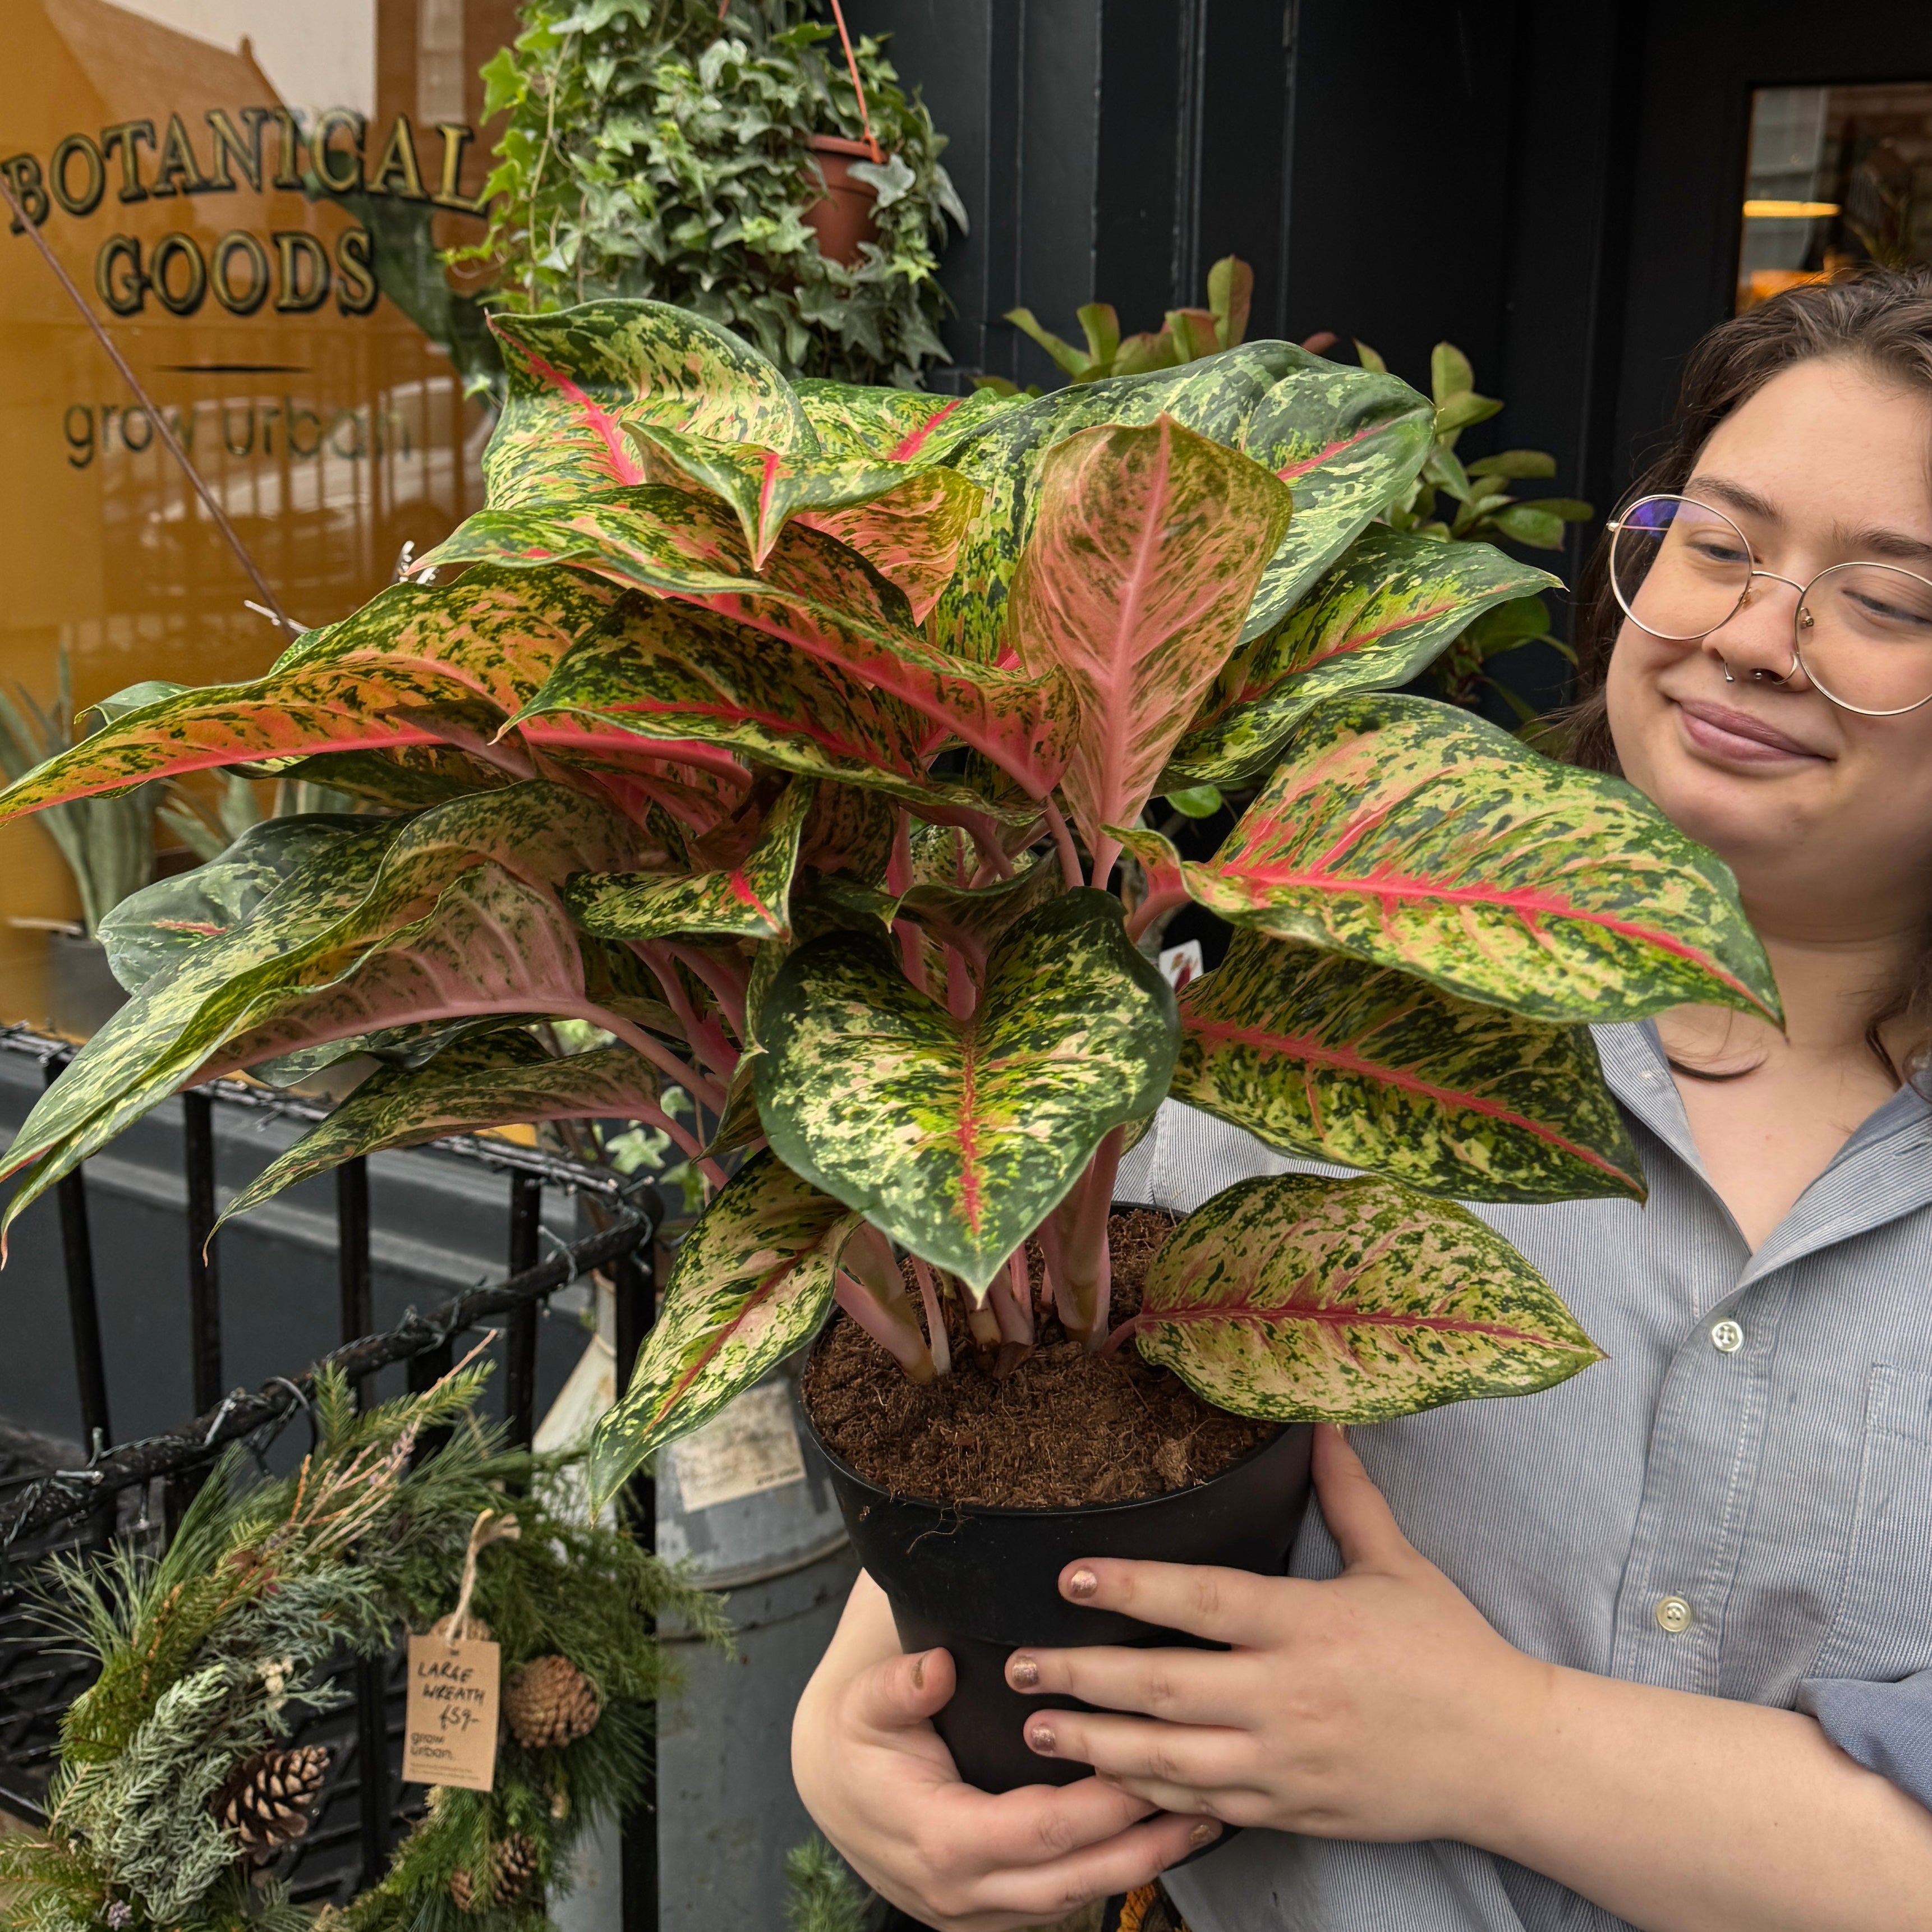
point(958, 1138)
point(379, 680)
point(851, 420)
point(1385, 612)
point(751, 900)
point(1415, 835)
point(1146, 546)
point(502, 1079)
point(815, 594)
point(752, 1284)
point(1299, 1299)
point(1319, 1055)
point(577, 380)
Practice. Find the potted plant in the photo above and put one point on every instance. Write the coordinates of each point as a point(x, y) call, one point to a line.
point(108, 844)
point(734, 160)
point(798, 737)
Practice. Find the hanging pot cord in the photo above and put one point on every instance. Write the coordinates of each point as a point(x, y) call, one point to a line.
point(858, 87)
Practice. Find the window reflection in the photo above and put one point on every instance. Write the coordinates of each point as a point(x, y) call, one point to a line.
point(1837, 177)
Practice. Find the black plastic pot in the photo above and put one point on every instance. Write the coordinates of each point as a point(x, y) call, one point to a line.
point(982, 1582)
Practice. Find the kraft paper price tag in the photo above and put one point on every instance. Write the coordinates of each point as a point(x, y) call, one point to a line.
point(450, 1727)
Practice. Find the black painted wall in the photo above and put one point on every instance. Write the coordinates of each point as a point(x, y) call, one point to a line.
point(1555, 188)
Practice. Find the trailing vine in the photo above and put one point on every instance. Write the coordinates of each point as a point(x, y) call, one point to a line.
point(659, 148)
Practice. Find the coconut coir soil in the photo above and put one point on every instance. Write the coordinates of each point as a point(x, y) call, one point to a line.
point(1064, 1429)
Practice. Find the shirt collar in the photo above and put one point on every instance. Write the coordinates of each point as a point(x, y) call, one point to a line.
point(1882, 1171)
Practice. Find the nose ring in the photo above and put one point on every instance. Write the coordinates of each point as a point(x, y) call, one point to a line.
point(1726, 663)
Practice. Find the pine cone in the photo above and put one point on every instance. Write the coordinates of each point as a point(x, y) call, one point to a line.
point(267, 1802)
point(549, 1702)
point(513, 1866)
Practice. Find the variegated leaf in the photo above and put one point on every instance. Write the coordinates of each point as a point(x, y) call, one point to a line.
point(850, 833)
point(1305, 1300)
point(751, 900)
point(815, 593)
point(296, 973)
point(381, 679)
point(406, 778)
point(1346, 441)
point(1144, 556)
point(673, 671)
point(958, 1140)
point(1386, 611)
point(505, 1078)
point(907, 524)
point(153, 1044)
point(1317, 1053)
point(1415, 835)
point(973, 918)
point(577, 380)
point(752, 1283)
point(903, 425)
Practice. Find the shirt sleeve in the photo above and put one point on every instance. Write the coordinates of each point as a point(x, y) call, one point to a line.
point(1886, 1727)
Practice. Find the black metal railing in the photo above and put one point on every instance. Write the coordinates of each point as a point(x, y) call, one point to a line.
point(116, 1489)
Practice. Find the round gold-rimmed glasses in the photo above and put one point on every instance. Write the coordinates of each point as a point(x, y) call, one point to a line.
point(1861, 633)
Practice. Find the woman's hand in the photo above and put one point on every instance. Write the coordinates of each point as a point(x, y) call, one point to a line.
point(1379, 1705)
point(881, 1785)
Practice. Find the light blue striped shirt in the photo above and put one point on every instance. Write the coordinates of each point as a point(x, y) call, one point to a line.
point(1781, 1486)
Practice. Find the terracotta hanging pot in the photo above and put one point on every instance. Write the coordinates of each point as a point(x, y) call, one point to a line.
point(847, 215)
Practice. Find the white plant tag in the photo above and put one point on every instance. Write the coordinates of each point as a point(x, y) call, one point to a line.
point(1183, 963)
point(751, 1447)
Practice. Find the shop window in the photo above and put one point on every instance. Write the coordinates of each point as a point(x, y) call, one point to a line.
point(1838, 177)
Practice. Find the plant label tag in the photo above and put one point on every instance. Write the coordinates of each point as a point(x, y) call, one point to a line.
point(751, 1447)
point(450, 1725)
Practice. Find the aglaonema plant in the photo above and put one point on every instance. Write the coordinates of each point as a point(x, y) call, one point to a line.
point(800, 738)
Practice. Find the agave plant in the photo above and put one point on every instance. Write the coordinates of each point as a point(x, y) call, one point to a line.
point(798, 737)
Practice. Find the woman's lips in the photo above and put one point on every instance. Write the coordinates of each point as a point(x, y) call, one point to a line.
point(1738, 737)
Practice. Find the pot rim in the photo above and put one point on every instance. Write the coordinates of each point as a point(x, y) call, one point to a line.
point(1000, 1511)
point(839, 144)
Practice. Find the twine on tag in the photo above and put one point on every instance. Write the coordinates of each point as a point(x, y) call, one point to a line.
point(460, 1627)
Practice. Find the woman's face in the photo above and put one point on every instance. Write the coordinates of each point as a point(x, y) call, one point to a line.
point(1825, 816)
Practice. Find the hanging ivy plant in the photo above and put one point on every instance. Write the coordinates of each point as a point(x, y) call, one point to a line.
point(661, 148)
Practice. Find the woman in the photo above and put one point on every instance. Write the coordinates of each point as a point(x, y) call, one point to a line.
point(1654, 1648)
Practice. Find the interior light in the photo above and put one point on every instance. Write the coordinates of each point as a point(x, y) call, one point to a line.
point(1788, 210)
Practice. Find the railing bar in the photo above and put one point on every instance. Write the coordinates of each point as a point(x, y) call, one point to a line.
point(351, 1255)
point(204, 1278)
point(633, 1275)
point(83, 1302)
point(62, 1497)
point(520, 1338)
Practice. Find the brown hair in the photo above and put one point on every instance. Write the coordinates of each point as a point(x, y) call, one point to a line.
point(1882, 318)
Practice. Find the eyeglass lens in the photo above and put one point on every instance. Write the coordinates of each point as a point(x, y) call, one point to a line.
point(1864, 631)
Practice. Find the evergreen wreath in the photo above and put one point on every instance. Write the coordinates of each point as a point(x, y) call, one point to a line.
point(658, 148)
point(178, 1782)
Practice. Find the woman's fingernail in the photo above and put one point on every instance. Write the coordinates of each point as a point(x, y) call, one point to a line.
point(918, 1671)
point(1082, 1583)
point(1022, 1673)
point(1204, 1833)
point(1040, 1738)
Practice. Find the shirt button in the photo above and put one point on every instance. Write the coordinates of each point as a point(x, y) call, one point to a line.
point(1727, 1336)
point(1672, 1614)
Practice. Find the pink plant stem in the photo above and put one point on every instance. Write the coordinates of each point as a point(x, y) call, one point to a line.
point(727, 983)
point(707, 1040)
point(960, 993)
point(992, 857)
point(1011, 1302)
point(892, 1327)
point(898, 866)
point(982, 1321)
point(912, 952)
point(1151, 908)
point(1082, 1292)
point(1069, 858)
point(705, 1091)
point(1105, 851)
point(938, 1340)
